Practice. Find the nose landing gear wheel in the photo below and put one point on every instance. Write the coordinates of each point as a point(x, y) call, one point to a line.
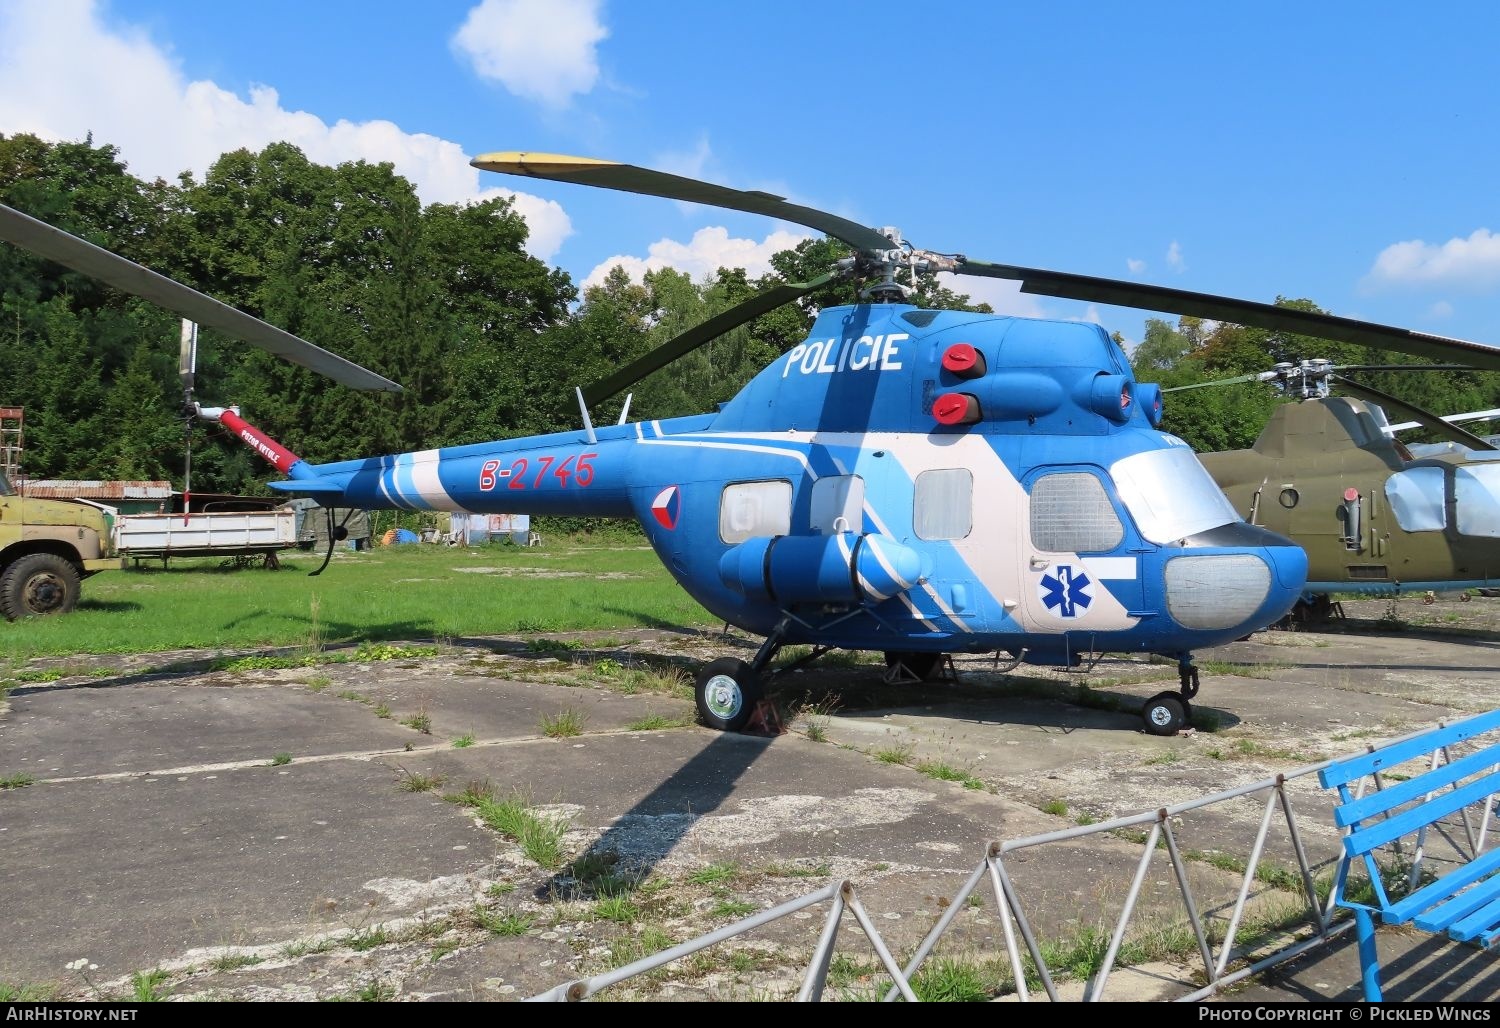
point(727, 691)
point(1165, 713)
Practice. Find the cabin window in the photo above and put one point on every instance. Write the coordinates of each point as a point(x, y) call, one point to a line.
point(749, 509)
point(1071, 513)
point(1170, 494)
point(1416, 498)
point(1476, 494)
point(836, 497)
point(943, 504)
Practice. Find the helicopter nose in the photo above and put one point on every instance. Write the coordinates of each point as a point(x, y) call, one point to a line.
point(1248, 579)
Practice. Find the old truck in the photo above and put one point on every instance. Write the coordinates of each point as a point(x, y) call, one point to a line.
point(47, 549)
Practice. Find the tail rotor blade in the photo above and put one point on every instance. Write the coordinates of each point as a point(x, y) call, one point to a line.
point(187, 355)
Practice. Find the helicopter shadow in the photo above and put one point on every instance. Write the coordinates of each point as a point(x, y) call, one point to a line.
point(638, 841)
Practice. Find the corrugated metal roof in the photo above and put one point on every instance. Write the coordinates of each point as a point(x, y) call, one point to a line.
point(80, 489)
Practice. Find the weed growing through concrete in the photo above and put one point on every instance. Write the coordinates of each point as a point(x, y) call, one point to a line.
point(945, 772)
point(1055, 807)
point(657, 722)
point(563, 725)
point(144, 985)
point(732, 908)
point(234, 961)
point(281, 758)
point(895, 754)
point(463, 742)
point(317, 683)
point(502, 922)
point(419, 721)
point(539, 837)
point(620, 909)
point(19, 780)
point(714, 874)
point(788, 869)
point(416, 781)
point(368, 939)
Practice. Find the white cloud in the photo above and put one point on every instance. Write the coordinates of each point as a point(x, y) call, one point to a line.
point(1441, 309)
point(1002, 294)
point(64, 74)
point(709, 250)
point(540, 50)
point(1135, 266)
point(1472, 263)
point(1174, 257)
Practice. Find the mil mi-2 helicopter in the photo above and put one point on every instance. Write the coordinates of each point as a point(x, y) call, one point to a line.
point(913, 482)
point(1377, 516)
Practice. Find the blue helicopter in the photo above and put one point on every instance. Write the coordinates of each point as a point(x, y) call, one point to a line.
point(908, 481)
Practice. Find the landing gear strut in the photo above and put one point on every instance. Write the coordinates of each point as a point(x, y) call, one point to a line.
point(1167, 713)
point(728, 689)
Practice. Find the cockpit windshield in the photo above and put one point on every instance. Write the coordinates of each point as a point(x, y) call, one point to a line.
point(1170, 494)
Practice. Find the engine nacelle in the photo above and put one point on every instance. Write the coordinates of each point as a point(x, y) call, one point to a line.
point(839, 568)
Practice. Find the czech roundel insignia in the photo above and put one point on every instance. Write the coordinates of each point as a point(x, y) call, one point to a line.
point(1066, 591)
point(667, 506)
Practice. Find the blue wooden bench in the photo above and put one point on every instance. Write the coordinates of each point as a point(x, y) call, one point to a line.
point(1421, 808)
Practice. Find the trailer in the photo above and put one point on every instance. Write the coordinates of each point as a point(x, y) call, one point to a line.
point(240, 537)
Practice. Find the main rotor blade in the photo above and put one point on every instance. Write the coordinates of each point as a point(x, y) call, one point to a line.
point(126, 275)
point(1264, 376)
point(630, 179)
point(687, 342)
point(1240, 312)
point(1429, 420)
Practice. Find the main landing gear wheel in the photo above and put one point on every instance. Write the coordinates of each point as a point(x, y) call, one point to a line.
point(1165, 713)
point(727, 691)
point(919, 666)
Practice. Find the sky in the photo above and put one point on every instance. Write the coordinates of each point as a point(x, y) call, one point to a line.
point(1346, 153)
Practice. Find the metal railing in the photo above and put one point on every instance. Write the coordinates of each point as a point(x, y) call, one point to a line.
point(1222, 964)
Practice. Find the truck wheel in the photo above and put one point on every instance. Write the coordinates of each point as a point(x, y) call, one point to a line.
point(36, 584)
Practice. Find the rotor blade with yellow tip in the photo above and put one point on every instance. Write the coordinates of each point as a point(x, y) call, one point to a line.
point(588, 171)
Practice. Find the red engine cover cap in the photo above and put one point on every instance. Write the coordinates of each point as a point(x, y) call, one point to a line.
point(955, 409)
point(963, 360)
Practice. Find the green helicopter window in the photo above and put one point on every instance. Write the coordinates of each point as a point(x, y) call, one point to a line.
point(1476, 495)
point(1416, 498)
point(1071, 513)
point(943, 504)
point(750, 509)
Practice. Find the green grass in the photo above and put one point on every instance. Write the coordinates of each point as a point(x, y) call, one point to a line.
point(234, 961)
point(368, 939)
point(280, 759)
point(714, 874)
point(463, 742)
point(539, 837)
point(144, 986)
point(385, 595)
point(19, 780)
point(419, 721)
point(620, 909)
point(1055, 807)
point(563, 725)
point(732, 908)
point(415, 781)
point(27, 993)
point(945, 772)
point(656, 722)
point(949, 980)
point(894, 754)
point(503, 922)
